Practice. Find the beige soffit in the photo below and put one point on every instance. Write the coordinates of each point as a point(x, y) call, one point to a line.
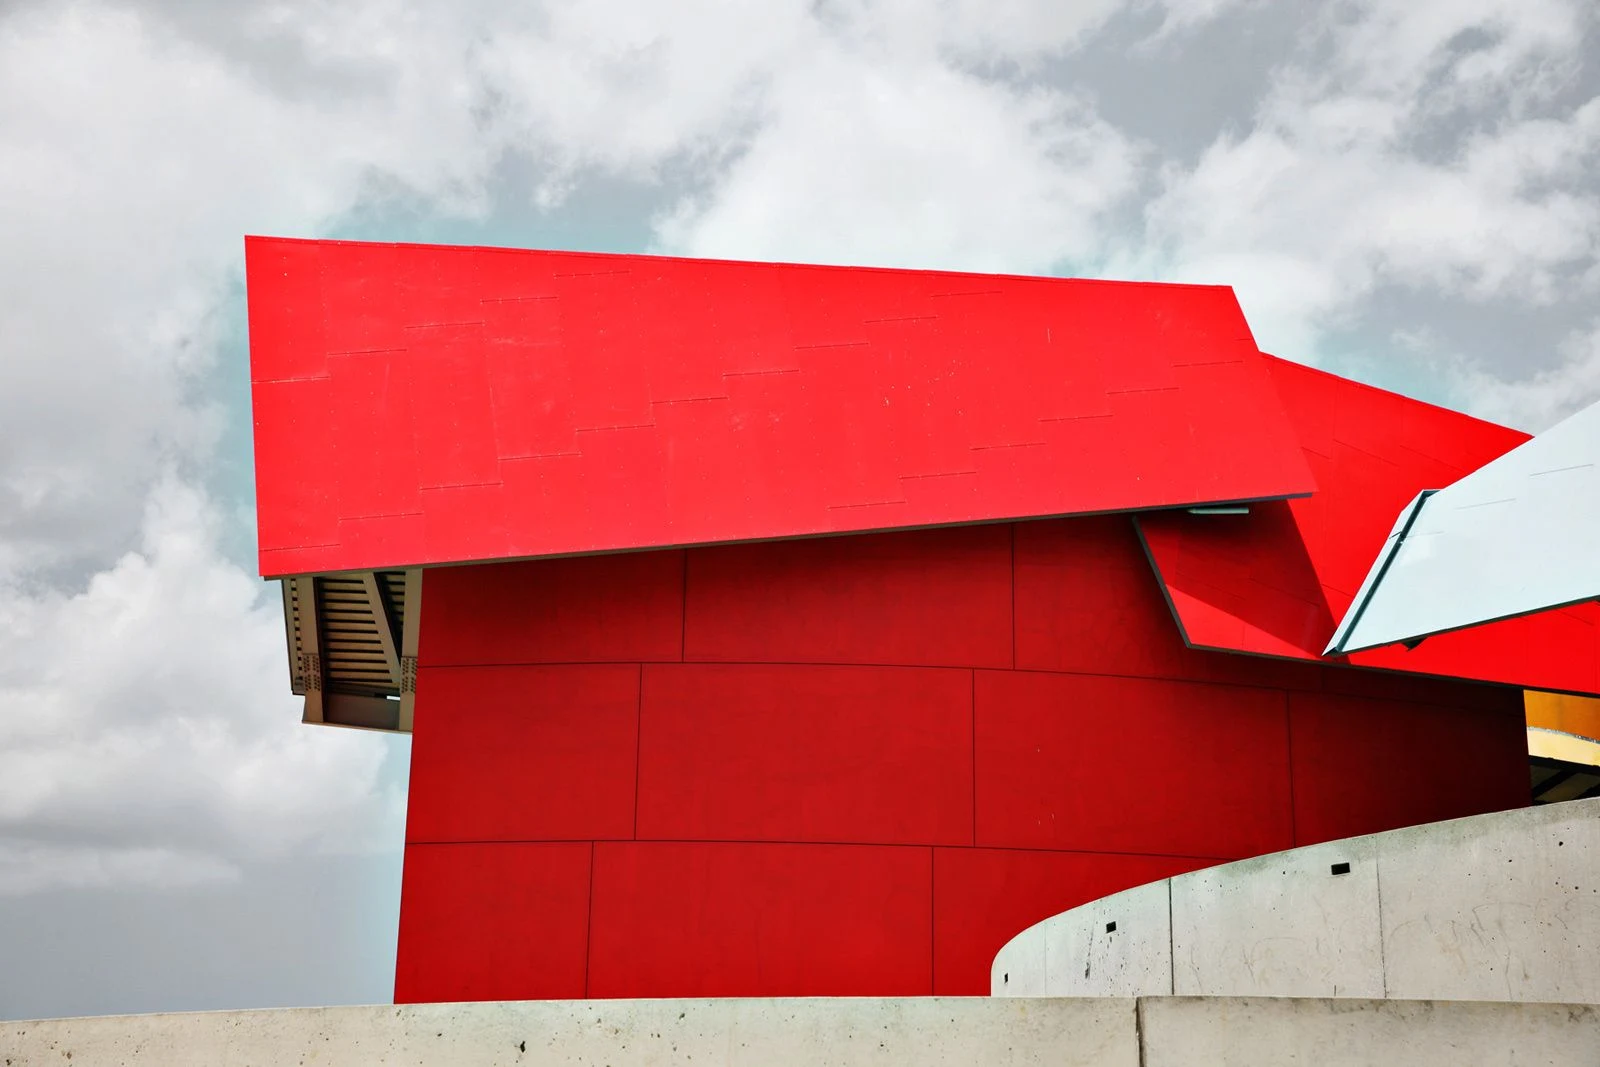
point(353, 646)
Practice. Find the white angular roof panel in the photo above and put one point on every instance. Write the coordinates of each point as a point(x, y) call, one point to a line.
point(1520, 535)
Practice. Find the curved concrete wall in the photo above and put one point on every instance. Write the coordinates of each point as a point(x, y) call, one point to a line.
point(1499, 907)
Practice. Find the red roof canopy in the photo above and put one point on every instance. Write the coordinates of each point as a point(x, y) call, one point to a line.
point(425, 405)
point(1276, 581)
point(420, 405)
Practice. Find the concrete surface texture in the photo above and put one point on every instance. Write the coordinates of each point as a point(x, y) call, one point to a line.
point(621, 1033)
point(1162, 1032)
point(1502, 907)
point(1227, 1032)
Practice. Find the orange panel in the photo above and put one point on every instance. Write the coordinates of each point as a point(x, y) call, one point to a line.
point(1573, 715)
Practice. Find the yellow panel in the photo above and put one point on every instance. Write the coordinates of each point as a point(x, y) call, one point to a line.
point(1563, 747)
point(1570, 715)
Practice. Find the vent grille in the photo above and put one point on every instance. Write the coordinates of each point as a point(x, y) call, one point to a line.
point(348, 651)
point(359, 639)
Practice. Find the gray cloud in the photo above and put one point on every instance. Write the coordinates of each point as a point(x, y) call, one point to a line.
point(1401, 189)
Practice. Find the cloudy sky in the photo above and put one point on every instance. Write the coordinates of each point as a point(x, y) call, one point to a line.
point(1404, 192)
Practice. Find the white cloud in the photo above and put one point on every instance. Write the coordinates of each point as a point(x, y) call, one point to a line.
point(1532, 402)
point(889, 160)
point(34, 867)
point(1014, 30)
point(142, 160)
point(146, 728)
point(147, 720)
point(1398, 148)
point(620, 87)
point(1182, 15)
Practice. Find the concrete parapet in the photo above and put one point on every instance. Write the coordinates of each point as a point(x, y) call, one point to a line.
point(1502, 907)
point(621, 1033)
point(1234, 1032)
point(772, 1033)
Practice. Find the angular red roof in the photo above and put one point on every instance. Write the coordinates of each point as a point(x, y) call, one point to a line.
point(1276, 581)
point(420, 405)
point(427, 405)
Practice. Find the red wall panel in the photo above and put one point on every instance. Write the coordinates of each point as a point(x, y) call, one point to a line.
point(524, 753)
point(719, 919)
point(1421, 689)
point(1131, 765)
point(1275, 581)
point(707, 402)
point(1086, 602)
point(983, 897)
point(626, 607)
point(290, 420)
point(493, 922)
point(372, 482)
point(1363, 766)
point(803, 753)
point(849, 789)
point(938, 598)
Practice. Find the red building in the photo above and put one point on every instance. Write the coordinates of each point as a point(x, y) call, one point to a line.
point(777, 630)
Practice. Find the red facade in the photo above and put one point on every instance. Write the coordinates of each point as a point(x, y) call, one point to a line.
point(860, 765)
point(781, 668)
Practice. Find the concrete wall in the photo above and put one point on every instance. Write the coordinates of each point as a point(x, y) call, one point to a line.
point(771, 1033)
point(1502, 907)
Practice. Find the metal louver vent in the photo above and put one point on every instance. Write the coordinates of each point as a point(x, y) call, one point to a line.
point(352, 646)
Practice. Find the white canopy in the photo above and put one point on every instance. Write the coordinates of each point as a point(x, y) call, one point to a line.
point(1517, 536)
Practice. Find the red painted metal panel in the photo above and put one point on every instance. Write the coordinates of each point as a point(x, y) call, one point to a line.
point(1086, 603)
point(1364, 766)
point(1131, 765)
point(921, 597)
point(378, 534)
point(707, 920)
point(493, 922)
point(295, 334)
point(524, 753)
point(1274, 582)
point(477, 511)
point(983, 897)
point(1099, 767)
point(586, 609)
point(628, 402)
point(879, 755)
point(291, 425)
point(1419, 689)
point(376, 482)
